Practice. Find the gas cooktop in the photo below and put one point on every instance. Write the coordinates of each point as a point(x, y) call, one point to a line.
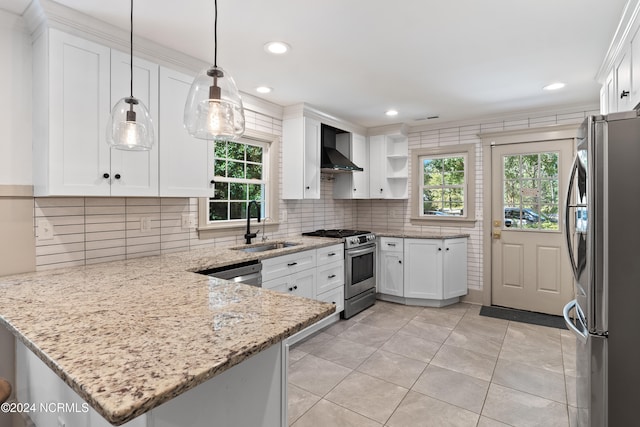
point(336, 233)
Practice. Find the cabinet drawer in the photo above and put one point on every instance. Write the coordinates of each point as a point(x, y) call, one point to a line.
point(335, 296)
point(330, 254)
point(301, 284)
point(330, 276)
point(392, 244)
point(287, 264)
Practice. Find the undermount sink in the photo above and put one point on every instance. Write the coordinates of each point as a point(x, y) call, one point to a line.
point(266, 247)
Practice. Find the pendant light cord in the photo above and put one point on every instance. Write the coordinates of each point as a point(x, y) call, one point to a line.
point(131, 51)
point(215, 34)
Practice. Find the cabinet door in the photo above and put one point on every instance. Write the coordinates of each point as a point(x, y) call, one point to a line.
point(138, 170)
point(610, 84)
point(185, 166)
point(79, 108)
point(455, 268)
point(423, 268)
point(304, 283)
point(392, 272)
point(360, 156)
point(623, 82)
point(635, 70)
point(312, 158)
point(377, 163)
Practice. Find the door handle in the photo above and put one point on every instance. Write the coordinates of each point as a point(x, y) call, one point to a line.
point(583, 334)
point(567, 216)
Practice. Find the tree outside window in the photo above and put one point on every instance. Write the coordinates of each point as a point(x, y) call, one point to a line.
point(443, 185)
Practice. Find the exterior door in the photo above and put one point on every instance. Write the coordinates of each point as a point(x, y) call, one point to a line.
point(530, 267)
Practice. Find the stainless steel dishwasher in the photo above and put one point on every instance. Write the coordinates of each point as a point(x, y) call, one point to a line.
point(249, 273)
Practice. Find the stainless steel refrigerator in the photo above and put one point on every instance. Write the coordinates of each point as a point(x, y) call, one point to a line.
point(602, 226)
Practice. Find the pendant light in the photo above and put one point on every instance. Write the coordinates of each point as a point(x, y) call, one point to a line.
point(130, 126)
point(214, 108)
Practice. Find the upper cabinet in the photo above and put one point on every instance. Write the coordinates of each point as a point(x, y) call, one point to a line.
point(184, 160)
point(389, 157)
point(301, 158)
point(620, 71)
point(77, 83)
point(353, 185)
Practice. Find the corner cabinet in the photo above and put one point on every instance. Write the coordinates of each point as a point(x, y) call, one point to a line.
point(389, 157)
point(434, 271)
point(184, 160)
point(301, 158)
point(77, 83)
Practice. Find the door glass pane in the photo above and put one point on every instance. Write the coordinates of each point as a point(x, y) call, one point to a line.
point(530, 191)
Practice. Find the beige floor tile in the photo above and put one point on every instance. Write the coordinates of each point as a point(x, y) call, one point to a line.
point(368, 396)
point(309, 342)
point(411, 346)
point(347, 353)
point(316, 375)
point(296, 354)
point(453, 387)
point(387, 319)
point(530, 379)
point(475, 342)
point(339, 327)
point(371, 336)
point(541, 336)
point(461, 308)
point(568, 342)
point(393, 368)
point(523, 409)
point(488, 422)
point(465, 361)
point(299, 402)
point(483, 326)
point(408, 311)
point(570, 384)
point(427, 331)
point(549, 358)
point(328, 414)
point(439, 317)
point(419, 410)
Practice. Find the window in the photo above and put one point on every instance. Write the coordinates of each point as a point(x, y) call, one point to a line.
point(238, 178)
point(443, 184)
point(530, 191)
point(243, 170)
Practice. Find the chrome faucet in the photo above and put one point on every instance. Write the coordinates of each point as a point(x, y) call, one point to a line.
point(264, 225)
point(249, 235)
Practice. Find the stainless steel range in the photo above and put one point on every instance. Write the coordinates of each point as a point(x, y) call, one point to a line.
point(360, 268)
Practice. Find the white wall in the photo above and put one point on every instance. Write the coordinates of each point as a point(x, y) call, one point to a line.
point(15, 104)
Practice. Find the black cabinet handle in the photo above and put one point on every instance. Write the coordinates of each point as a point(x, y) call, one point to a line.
point(381, 190)
point(291, 264)
point(290, 289)
point(333, 302)
point(117, 176)
point(331, 254)
point(295, 287)
point(391, 244)
point(332, 276)
point(624, 94)
point(105, 175)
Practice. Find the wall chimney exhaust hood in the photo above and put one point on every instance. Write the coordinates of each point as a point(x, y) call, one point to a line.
point(333, 161)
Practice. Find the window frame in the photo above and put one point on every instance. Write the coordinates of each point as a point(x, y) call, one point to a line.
point(270, 177)
point(468, 152)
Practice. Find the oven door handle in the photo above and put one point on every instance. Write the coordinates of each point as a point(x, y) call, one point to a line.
point(358, 252)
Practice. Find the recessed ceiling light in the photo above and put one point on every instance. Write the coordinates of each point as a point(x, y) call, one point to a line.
point(263, 89)
point(554, 86)
point(391, 113)
point(277, 48)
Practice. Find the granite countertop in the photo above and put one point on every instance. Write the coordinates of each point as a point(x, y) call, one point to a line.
point(130, 335)
point(422, 236)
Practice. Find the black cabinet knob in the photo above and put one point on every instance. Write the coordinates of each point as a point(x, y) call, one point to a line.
point(447, 249)
point(295, 287)
point(308, 187)
point(439, 249)
point(105, 175)
point(117, 176)
point(290, 289)
point(399, 261)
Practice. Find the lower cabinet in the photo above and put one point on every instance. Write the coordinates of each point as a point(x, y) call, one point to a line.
point(424, 272)
point(302, 283)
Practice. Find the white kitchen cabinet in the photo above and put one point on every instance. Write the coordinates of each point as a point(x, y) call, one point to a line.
point(353, 185)
point(76, 86)
point(433, 272)
point(301, 158)
point(435, 268)
point(389, 159)
point(186, 165)
point(623, 82)
point(302, 283)
point(284, 265)
point(391, 268)
point(70, 112)
point(135, 173)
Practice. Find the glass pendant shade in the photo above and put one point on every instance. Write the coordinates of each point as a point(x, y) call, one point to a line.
point(130, 126)
point(213, 109)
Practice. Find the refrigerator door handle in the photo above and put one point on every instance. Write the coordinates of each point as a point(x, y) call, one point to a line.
point(582, 334)
point(567, 217)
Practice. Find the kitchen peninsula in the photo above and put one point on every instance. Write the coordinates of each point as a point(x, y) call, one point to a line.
point(148, 341)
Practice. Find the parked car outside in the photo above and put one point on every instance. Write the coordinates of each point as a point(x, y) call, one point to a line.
point(525, 216)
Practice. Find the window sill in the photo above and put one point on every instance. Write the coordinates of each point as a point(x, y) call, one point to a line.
point(440, 222)
point(236, 229)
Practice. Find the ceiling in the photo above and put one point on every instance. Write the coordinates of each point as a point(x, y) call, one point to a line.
point(356, 59)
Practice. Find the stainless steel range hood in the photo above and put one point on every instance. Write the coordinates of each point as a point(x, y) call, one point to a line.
point(333, 161)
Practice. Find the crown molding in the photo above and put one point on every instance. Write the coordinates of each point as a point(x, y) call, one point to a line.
point(627, 27)
point(303, 109)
